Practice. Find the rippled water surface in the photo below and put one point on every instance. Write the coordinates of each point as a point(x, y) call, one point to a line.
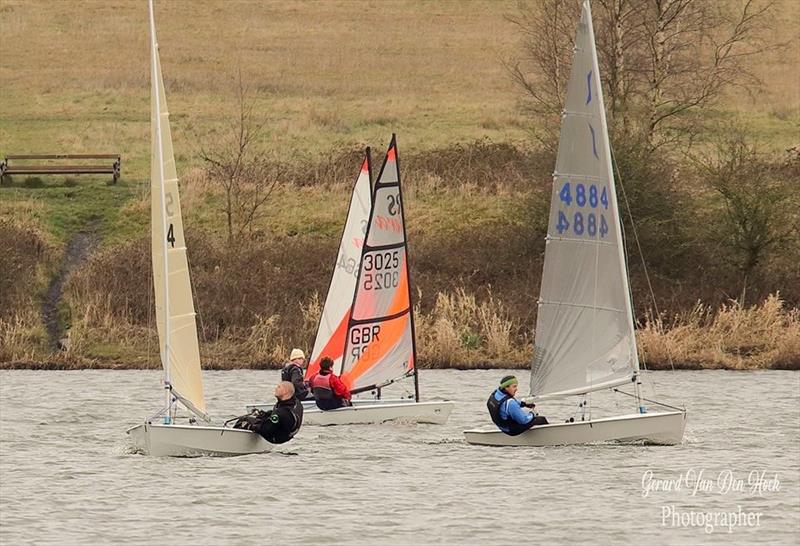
point(67, 475)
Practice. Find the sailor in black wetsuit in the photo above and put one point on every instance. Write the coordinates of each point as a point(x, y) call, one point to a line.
point(283, 421)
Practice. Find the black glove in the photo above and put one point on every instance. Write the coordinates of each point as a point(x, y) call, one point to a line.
point(524, 404)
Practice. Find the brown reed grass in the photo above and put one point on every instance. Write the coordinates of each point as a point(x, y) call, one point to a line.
point(463, 332)
point(766, 335)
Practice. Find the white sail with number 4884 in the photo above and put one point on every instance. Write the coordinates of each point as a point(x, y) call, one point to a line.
point(585, 338)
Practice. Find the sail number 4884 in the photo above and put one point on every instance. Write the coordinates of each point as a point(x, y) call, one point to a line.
point(581, 223)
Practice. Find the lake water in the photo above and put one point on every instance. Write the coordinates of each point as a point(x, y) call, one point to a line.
point(67, 475)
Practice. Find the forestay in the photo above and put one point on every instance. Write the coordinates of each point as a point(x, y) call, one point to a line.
point(175, 316)
point(380, 334)
point(584, 337)
point(332, 330)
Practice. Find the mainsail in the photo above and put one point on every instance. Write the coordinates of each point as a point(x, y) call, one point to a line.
point(333, 324)
point(379, 346)
point(175, 316)
point(584, 337)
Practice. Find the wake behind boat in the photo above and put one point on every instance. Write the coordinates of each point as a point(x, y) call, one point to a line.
point(585, 339)
point(367, 323)
point(175, 315)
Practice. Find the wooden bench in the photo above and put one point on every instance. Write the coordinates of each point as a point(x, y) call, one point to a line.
point(108, 167)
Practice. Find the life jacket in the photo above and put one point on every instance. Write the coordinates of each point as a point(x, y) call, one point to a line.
point(286, 371)
point(300, 390)
point(507, 425)
point(323, 392)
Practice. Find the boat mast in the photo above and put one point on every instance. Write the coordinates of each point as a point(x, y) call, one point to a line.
point(159, 146)
point(408, 268)
point(610, 174)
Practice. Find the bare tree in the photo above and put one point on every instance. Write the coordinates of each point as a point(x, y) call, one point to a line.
point(543, 68)
point(247, 177)
point(695, 51)
point(660, 59)
point(760, 210)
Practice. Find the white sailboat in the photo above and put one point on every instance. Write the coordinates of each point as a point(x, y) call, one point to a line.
point(585, 338)
point(175, 315)
point(367, 325)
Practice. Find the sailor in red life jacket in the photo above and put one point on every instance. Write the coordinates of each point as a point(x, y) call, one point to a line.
point(329, 391)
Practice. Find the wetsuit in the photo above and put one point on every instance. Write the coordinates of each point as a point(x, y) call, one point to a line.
point(283, 421)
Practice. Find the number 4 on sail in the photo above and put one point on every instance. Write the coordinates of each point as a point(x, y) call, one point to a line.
point(584, 329)
point(175, 316)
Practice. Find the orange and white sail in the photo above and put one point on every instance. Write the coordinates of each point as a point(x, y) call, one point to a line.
point(334, 321)
point(379, 343)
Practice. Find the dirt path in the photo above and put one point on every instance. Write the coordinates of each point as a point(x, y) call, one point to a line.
point(79, 247)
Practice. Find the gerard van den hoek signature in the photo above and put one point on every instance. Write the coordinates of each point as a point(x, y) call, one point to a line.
point(696, 481)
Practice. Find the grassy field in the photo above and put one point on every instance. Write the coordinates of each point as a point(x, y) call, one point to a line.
point(327, 76)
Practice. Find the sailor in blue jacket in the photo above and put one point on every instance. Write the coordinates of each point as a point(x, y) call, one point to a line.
point(507, 412)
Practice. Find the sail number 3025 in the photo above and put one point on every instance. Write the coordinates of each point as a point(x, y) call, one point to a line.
point(580, 223)
point(381, 270)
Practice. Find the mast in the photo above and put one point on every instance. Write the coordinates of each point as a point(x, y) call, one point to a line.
point(159, 146)
point(613, 186)
point(408, 267)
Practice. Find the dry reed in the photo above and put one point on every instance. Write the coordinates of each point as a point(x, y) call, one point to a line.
point(733, 337)
point(462, 332)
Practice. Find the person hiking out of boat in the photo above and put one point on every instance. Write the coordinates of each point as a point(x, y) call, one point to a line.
point(293, 373)
point(281, 423)
point(328, 390)
point(507, 412)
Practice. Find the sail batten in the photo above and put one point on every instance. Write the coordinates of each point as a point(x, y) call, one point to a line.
point(584, 334)
point(573, 241)
point(582, 306)
point(175, 314)
point(393, 246)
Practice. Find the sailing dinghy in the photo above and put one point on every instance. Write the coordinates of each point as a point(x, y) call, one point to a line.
point(367, 324)
point(585, 337)
point(175, 316)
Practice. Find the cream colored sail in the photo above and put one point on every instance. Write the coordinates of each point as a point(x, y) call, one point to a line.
point(175, 316)
point(584, 330)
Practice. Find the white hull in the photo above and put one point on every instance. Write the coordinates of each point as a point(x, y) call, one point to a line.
point(366, 412)
point(311, 405)
point(654, 428)
point(194, 441)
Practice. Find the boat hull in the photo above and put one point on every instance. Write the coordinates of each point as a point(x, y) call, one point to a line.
point(663, 428)
point(366, 412)
point(195, 441)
